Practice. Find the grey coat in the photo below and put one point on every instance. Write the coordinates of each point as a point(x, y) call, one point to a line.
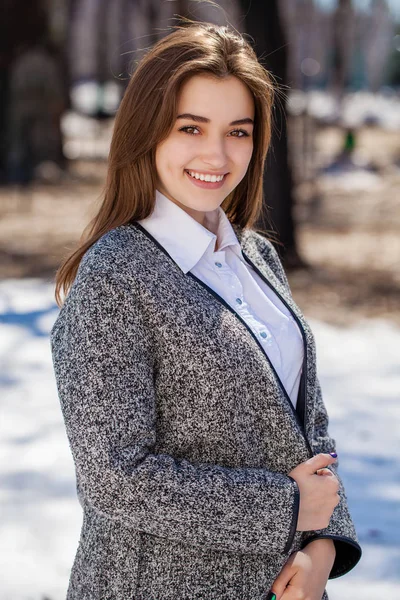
point(181, 432)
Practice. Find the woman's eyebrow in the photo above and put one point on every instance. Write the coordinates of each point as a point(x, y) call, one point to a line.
point(245, 121)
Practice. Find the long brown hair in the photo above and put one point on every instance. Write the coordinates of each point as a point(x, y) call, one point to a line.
point(146, 116)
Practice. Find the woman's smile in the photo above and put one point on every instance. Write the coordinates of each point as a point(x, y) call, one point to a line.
point(202, 180)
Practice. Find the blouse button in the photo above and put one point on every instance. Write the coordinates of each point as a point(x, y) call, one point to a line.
point(264, 334)
point(218, 264)
point(238, 300)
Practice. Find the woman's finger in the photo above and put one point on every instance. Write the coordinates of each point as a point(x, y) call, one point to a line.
point(281, 583)
point(324, 472)
point(291, 593)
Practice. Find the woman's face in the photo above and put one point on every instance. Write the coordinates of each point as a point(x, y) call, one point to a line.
point(212, 135)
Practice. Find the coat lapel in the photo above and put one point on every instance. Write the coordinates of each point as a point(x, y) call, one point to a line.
point(268, 274)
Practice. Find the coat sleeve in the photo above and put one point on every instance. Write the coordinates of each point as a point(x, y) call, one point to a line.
point(341, 528)
point(103, 359)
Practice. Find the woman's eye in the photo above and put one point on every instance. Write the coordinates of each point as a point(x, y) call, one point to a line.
point(190, 130)
point(242, 131)
point(187, 128)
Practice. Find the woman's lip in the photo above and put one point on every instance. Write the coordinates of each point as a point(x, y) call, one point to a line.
point(205, 172)
point(208, 185)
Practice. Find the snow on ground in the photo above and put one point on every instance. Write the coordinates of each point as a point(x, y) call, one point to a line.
point(359, 369)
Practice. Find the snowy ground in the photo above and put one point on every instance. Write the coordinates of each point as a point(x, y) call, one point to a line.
point(359, 369)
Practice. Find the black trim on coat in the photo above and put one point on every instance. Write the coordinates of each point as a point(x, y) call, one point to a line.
point(228, 306)
point(301, 405)
point(348, 552)
point(295, 516)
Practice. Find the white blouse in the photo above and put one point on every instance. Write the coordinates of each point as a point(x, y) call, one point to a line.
point(193, 248)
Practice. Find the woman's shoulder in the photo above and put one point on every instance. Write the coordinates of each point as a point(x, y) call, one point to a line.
point(115, 260)
point(114, 252)
point(259, 241)
point(109, 273)
point(255, 243)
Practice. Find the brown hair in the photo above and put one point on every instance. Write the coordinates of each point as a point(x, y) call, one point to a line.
point(146, 116)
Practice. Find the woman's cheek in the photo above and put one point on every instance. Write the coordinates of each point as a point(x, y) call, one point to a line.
point(242, 152)
point(243, 159)
point(182, 154)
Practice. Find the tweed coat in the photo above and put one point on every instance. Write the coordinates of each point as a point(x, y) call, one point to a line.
point(181, 432)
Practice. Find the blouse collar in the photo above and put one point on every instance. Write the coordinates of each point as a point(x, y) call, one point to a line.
point(186, 240)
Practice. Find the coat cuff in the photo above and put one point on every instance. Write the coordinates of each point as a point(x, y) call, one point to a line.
point(348, 553)
point(295, 515)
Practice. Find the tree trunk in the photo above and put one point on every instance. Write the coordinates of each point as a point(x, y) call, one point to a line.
point(263, 23)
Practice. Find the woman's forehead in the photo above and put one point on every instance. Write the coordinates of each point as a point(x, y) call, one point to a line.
point(211, 97)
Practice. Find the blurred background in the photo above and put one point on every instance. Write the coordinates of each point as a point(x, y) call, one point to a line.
point(332, 203)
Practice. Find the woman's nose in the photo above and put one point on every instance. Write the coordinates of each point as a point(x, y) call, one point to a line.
point(214, 153)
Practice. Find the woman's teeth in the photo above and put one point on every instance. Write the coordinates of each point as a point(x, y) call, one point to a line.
point(202, 177)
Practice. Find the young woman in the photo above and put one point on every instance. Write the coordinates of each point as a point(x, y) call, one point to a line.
point(186, 372)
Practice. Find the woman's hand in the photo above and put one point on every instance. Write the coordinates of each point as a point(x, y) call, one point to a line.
point(305, 574)
point(318, 488)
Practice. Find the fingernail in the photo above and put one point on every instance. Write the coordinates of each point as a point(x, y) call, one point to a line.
point(271, 596)
point(333, 454)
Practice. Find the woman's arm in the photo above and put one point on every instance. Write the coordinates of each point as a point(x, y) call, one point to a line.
point(103, 360)
point(341, 528)
point(306, 572)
